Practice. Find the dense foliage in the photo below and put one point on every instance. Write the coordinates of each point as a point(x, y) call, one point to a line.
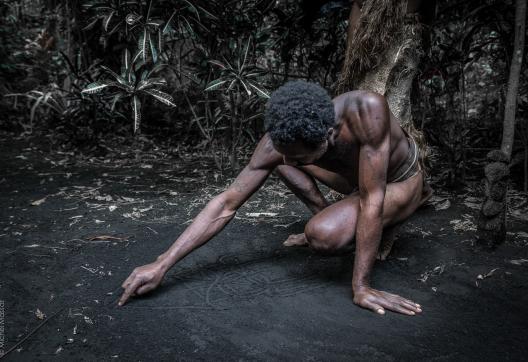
point(199, 72)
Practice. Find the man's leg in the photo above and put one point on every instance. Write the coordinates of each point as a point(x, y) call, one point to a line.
point(335, 226)
point(303, 186)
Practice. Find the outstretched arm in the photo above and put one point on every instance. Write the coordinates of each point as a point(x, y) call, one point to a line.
point(209, 222)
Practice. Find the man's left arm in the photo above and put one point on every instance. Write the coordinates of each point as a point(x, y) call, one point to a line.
point(373, 163)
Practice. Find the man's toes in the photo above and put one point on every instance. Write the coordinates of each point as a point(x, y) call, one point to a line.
point(296, 240)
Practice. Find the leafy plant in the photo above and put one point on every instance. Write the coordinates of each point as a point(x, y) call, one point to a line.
point(139, 25)
point(127, 84)
point(112, 14)
point(242, 75)
point(238, 77)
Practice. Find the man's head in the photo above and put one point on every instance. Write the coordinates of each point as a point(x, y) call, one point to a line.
point(299, 118)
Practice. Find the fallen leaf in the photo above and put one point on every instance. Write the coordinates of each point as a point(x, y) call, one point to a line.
point(519, 261)
point(259, 214)
point(38, 202)
point(444, 205)
point(106, 238)
point(39, 314)
point(487, 275)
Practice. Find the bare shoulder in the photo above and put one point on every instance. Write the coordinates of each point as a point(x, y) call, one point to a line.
point(368, 116)
point(265, 157)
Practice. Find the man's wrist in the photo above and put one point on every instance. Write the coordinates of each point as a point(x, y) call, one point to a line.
point(358, 285)
point(164, 262)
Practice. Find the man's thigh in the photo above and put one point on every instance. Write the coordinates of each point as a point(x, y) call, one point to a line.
point(337, 223)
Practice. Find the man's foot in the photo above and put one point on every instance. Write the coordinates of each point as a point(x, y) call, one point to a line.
point(296, 240)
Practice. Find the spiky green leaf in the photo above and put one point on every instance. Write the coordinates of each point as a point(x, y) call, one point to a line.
point(119, 78)
point(127, 62)
point(207, 12)
point(148, 83)
point(192, 8)
point(246, 87)
point(153, 50)
point(187, 26)
point(136, 112)
point(34, 109)
point(115, 100)
point(244, 59)
point(218, 64)
point(161, 96)
point(142, 44)
point(116, 27)
point(156, 69)
point(215, 84)
point(160, 41)
point(167, 28)
point(233, 82)
point(95, 87)
point(91, 24)
point(107, 20)
point(149, 8)
point(261, 92)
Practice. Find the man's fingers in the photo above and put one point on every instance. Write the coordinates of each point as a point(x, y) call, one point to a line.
point(373, 307)
point(412, 306)
point(394, 306)
point(405, 303)
point(128, 280)
point(130, 289)
point(411, 302)
point(144, 288)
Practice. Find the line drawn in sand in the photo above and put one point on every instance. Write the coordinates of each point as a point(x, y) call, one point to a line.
point(243, 278)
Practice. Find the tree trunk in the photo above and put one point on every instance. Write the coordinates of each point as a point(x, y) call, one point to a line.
point(508, 130)
point(492, 219)
point(383, 51)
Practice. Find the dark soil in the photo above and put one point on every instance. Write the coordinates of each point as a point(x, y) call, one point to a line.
point(243, 296)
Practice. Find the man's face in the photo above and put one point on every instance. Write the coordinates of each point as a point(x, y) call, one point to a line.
point(299, 154)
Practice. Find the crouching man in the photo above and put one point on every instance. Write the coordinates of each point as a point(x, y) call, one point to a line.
point(352, 144)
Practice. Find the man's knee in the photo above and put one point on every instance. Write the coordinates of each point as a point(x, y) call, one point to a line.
point(324, 238)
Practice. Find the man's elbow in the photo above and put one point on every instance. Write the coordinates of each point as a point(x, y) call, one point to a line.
point(226, 205)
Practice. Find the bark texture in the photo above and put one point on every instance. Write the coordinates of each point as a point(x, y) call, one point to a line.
point(383, 53)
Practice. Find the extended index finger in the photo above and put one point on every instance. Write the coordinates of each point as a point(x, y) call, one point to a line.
point(129, 290)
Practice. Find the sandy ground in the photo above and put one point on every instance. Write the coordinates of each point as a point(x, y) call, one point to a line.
point(72, 229)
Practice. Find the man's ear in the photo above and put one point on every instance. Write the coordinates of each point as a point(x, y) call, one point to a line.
point(330, 136)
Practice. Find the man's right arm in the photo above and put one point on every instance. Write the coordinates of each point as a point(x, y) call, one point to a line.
point(216, 214)
point(209, 222)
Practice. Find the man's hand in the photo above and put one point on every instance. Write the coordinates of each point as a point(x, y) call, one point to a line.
point(378, 301)
point(142, 280)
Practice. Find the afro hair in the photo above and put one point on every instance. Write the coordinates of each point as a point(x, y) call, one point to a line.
point(299, 111)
